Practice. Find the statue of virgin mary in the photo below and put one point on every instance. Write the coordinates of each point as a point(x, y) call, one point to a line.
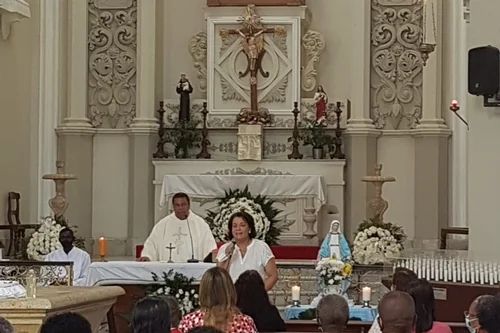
point(335, 245)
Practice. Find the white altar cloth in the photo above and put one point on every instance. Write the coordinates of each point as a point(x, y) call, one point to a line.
point(214, 186)
point(134, 272)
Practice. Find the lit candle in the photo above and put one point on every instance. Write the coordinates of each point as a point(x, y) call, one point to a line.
point(295, 293)
point(103, 246)
point(366, 294)
point(429, 24)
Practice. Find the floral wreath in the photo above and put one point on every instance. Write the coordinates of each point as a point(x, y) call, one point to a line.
point(376, 241)
point(267, 226)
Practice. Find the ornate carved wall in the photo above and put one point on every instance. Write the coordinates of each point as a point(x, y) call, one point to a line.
point(112, 50)
point(396, 78)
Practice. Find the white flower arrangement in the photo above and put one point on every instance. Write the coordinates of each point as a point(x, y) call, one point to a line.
point(188, 299)
point(181, 287)
point(332, 271)
point(374, 245)
point(45, 239)
point(221, 220)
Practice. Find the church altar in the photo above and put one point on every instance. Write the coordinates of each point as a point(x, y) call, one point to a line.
point(301, 189)
point(135, 272)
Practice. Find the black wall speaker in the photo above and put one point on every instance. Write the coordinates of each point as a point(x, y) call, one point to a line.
point(484, 71)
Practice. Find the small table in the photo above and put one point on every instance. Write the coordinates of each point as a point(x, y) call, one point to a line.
point(356, 312)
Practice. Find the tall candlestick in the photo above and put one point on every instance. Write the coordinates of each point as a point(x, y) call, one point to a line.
point(366, 294)
point(295, 293)
point(103, 247)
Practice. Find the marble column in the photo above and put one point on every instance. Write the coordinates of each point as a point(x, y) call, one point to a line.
point(49, 100)
point(431, 151)
point(75, 134)
point(360, 135)
point(459, 165)
point(143, 128)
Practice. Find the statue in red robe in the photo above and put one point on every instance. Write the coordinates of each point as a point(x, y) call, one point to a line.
point(321, 101)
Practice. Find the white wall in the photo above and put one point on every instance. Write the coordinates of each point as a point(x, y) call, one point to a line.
point(484, 136)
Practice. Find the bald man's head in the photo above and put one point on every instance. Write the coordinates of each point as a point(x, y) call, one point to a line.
point(397, 312)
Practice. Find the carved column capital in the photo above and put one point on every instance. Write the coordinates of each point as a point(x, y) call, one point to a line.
point(12, 11)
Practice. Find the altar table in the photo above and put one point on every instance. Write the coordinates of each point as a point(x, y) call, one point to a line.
point(136, 272)
point(355, 312)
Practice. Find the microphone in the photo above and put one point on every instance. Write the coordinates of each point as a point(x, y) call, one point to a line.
point(192, 260)
point(233, 242)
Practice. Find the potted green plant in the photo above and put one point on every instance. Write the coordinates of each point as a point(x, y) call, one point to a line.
point(184, 135)
point(314, 134)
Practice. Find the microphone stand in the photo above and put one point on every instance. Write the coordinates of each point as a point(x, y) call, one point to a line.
point(192, 260)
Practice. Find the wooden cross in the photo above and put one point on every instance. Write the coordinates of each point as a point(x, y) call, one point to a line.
point(170, 247)
point(252, 40)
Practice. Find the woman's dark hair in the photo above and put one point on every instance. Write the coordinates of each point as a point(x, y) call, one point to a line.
point(252, 296)
point(402, 277)
point(151, 315)
point(247, 218)
point(423, 296)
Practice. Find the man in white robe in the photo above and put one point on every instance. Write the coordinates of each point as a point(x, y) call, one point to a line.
point(68, 252)
point(180, 237)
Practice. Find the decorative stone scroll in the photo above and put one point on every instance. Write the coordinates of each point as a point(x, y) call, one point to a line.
point(112, 62)
point(397, 64)
point(12, 11)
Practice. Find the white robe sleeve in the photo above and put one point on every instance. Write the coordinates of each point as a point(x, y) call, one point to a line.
point(85, 264)
point(151, 244)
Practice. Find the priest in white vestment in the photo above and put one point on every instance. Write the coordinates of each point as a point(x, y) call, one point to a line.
point(69, 252)
point(179, 237)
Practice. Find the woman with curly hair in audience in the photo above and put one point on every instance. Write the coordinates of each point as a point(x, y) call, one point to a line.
point(218, 306)
point(423, 296)
point(253, 301)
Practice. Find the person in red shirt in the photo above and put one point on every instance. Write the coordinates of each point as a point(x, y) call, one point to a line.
point(218, 306)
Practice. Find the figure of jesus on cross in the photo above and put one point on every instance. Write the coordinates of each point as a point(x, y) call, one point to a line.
point(252, 41)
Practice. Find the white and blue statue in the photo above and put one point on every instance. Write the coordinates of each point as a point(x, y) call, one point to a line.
point(335, 246)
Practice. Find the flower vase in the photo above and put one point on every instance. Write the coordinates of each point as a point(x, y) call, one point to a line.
point(318, 153)
point(332, 289)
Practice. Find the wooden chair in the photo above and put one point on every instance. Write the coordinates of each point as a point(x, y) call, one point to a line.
point(451, 231)
point(17, 230)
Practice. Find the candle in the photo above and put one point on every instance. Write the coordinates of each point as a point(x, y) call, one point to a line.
point(103, 246)
point(366, 294)
point(295, 293)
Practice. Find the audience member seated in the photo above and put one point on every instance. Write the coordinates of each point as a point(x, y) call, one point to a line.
point(400, 280)
point(68, 252)
point(5, 326)
point(244, 245)
point(484, 315)
point(253, 300)
point(204, 329)
point(396, 313)
point(151, 315)
point(66, 322)
point(175, 313)
point(332, 314)
point(218, 306)
point(423, 296)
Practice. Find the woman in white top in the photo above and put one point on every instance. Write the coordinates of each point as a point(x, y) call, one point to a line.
point(245, 252)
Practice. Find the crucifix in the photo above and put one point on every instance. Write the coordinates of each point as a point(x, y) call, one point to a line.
point(252, 41)
point(179, 241)
point(170, 248)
